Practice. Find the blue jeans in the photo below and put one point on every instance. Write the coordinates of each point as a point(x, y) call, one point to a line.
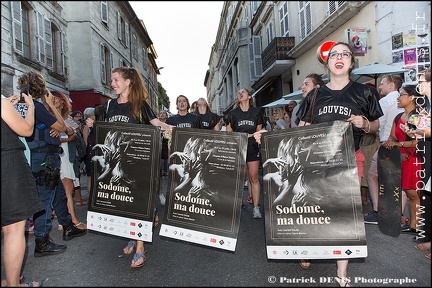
point(56, 198)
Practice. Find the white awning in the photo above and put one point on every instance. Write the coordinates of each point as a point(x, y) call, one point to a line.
point(297, 95)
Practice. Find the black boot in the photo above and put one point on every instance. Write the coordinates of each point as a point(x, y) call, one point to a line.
point(46, 246)
point(70, 232)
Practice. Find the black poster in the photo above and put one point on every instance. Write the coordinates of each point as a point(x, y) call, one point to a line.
point(312, 193)
point(125, 179)
point(206, 178)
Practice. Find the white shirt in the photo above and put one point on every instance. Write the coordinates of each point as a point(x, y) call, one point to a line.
point(390, 109)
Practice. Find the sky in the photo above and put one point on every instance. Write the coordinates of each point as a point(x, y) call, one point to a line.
point(182, 34)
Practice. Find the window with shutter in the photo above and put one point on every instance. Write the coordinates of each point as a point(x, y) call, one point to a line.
point(283, 16)
point(17, 26)
point(144, 58)
point(255, 58)
point(333, 6)
point(269, 31)
point(62, 54)
point(104, 12)
point(40, 37)
point(111, 68)
point(126, 34)
point(308, 19)
point(49, 43)
point(134, 47)
point(122, 30)
point(305, 18)
point(119, 26)
point(103, 66)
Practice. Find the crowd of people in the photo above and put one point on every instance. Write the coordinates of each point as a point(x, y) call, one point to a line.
point(376, 118)
point(50, 179)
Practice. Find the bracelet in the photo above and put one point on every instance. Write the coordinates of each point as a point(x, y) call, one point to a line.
point(369, 126)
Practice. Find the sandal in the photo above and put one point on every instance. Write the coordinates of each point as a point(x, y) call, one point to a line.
point(342, 282)
point(136, 262)
point(423, 246)
point(129, 249)
point(428, 255)
point(305, 263)
point(84, 226)
point(81, 202)
point(34, 284)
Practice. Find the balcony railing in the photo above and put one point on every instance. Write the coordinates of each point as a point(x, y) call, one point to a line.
point(276, 50)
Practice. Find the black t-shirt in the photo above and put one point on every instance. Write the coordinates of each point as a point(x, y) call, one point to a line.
point(246, 122)
point(208, 120)
point(331, 105)
point(187, 121)
point(123, 113)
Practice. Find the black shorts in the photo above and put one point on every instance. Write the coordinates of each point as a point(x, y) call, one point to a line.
point(253, 152)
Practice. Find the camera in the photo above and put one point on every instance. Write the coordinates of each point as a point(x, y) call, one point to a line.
point(24, 90)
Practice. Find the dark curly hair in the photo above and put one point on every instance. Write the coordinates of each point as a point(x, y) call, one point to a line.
point(36, 82)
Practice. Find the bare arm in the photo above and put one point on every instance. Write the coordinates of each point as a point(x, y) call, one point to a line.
point(86, 131)
point(392, 140)
point(59, 125)
point(21, 126)
point(229, 128)
point(163, 125)
point(217, 126)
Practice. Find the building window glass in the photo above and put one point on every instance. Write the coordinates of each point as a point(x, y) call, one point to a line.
point(283, 16)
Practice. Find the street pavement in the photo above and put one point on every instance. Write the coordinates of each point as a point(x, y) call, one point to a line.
point(96, 259)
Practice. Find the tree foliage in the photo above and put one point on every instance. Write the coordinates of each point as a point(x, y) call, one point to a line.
point(163, 97)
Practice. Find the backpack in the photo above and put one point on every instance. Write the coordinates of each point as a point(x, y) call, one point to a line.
point(77, 149)
point(81, 146)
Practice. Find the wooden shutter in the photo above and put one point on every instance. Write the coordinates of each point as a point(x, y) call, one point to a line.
point(48, 43)
point(17, 27)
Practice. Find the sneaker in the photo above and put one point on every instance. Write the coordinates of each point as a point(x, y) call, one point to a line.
point(71, 232)
point(256, 213)
point(250, 200)
point(162, 199)
point(371, 218)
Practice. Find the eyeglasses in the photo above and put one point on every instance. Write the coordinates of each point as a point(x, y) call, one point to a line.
point(344, 55)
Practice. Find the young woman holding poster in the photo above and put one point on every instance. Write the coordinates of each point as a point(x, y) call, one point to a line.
point(131, 106)
point(360, 100)
point(248, 119)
